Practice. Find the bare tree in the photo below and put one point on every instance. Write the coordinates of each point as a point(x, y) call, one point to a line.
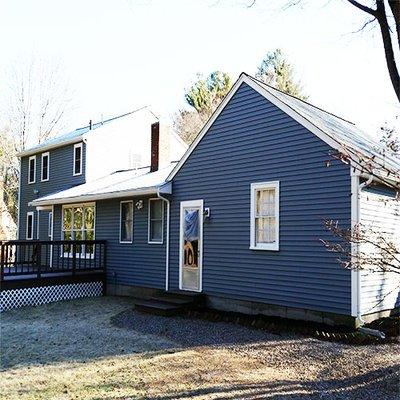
point(382, 12)
point(34, 108)
point(38, 101)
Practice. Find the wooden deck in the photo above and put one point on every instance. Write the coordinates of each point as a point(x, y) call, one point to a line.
point(43, 263)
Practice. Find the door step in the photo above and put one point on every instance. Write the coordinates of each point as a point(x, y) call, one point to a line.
point(168, 304)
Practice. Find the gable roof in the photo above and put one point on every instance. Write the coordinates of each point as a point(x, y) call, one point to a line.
point(335, 131)
point(73, 137)
point(119, 184)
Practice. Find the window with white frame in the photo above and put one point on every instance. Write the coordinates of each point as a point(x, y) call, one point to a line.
point(126, 222)
point(29, 225)
point(78, 224)
point(264, 224)
point(50, 226)
point(156, 221)
point(32, 169)
point(78, 159)
point(45, 167)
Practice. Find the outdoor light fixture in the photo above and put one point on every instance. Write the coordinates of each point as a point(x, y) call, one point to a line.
point(206, 212)
point(139, 205)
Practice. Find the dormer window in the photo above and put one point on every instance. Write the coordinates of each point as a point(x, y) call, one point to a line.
point(32, 169)
point(78, 159)
point(45, 167)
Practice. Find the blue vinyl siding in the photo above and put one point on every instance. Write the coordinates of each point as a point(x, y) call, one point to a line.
point(60, 178)
point(137, 263)
point(254, 141)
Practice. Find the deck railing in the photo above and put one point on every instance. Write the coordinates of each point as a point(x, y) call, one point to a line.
point(38, 258)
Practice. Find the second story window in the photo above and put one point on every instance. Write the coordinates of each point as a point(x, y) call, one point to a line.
point(45, 167)
point(78, 159)
point(32, 169)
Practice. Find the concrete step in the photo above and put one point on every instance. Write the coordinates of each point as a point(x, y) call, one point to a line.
point(158, 307)
point(168, 304)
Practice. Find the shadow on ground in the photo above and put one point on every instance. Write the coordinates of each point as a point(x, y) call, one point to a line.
point(380, 384)
point(81, 330)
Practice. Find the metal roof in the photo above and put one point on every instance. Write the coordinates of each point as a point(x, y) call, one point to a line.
point(72, 137)
point(119, 184)
point(339, 129)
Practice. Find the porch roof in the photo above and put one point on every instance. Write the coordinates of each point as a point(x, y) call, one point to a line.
point(119, 184)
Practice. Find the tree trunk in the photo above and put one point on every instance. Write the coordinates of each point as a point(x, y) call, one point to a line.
point(388, 46)
point(395, 7)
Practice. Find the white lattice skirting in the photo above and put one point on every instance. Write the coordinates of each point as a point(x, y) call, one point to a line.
point(15, 298)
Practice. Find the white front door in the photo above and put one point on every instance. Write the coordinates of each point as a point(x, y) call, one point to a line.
point(191, 245)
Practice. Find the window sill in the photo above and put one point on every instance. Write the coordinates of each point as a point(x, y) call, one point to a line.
point(265, 248)
point(125, 242)
point(162, 242)
point(44, 180)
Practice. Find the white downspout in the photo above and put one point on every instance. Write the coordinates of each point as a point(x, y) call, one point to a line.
point(167, 240)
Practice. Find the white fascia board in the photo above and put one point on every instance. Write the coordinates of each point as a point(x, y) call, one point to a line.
point(274, 100)
point(37, 150)
point(93, 197)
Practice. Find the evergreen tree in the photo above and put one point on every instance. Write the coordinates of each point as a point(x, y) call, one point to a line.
point(275, 70)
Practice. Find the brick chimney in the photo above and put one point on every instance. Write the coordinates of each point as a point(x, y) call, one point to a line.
point(155, 146)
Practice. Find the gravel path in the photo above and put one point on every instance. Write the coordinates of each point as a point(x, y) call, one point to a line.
point(100, 348)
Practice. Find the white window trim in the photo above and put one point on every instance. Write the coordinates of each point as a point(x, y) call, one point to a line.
point(69, 255)
point(254, 187)
point(148, 223)
point(120, 221)
point(34, 169)
point(30, 214)
point(73, 166)
point(50, 225)
point(48, 167)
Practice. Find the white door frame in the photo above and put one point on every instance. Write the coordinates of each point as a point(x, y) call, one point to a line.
point(187, 204)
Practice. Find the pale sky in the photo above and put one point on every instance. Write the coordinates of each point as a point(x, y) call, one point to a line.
point(122, 54)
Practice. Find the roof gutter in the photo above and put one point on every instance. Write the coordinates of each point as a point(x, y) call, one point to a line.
point(104, 196)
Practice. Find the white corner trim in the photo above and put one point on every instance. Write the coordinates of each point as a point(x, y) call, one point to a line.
point(149, 241)
point(120, 222)
point(47, 154)
point(269, 96)
point(184, 204)
point(253, 188)
point(34, 169)
point(78, 145)
point(355, 219)
point(29, 235)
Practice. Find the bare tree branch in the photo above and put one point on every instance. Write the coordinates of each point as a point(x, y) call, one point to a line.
point(363, 7)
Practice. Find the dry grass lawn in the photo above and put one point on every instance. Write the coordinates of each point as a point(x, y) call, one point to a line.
point(70, 350)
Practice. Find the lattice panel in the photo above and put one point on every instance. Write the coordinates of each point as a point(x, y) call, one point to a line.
point(15, 298)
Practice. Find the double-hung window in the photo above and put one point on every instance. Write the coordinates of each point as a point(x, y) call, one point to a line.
point(50, 226)
point(29, 225)
point(78, 159)
point(156, 221)
point(45, 167)
point(32, 169)
point(264, 224)
point(78, 224)
point(126, 222)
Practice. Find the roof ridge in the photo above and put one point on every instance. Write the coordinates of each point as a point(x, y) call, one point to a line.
point(297, 98)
